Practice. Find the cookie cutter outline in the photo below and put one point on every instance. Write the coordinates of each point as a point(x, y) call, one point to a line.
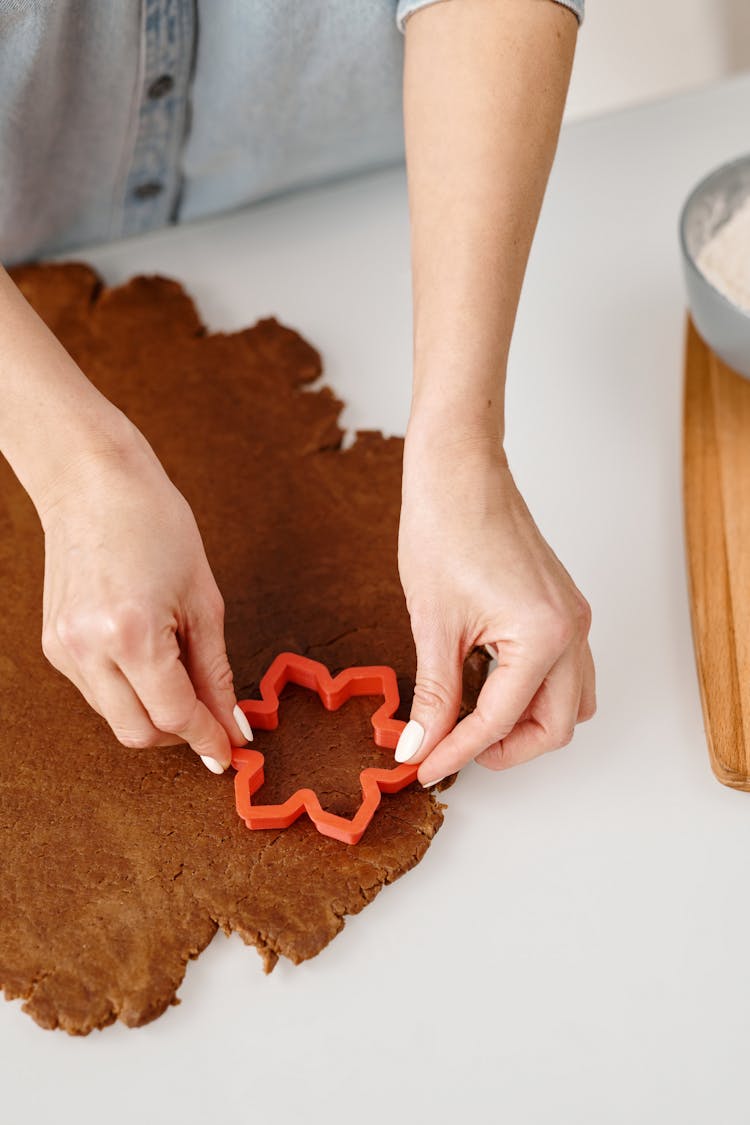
point(263, 714)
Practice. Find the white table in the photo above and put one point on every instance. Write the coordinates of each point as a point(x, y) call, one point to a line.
point(573, 948)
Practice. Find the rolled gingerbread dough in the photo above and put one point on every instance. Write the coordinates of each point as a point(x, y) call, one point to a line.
point(117, 866)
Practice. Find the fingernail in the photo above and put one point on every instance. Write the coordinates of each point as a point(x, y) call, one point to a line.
point(429, 784)
point(240, 719)
point(211, 764)
point(491, 650)
point(411, 739)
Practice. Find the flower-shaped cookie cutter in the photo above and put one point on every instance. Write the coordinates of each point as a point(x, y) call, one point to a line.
point(263, 714)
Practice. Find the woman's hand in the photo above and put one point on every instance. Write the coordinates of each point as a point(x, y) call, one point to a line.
point(132, 614)
point(476, 571)
point(484, 89)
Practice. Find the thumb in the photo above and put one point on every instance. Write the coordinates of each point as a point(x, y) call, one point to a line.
point(208, 667)
point(437, 694)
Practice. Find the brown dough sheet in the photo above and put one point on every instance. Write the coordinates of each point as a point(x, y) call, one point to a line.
point(117, 866)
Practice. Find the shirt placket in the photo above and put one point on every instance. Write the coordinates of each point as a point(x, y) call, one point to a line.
point(152, 189)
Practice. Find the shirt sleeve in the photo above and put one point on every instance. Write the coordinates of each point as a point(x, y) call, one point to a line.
point(405, 8)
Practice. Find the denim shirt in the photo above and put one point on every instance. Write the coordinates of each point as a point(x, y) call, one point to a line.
point(116, 119)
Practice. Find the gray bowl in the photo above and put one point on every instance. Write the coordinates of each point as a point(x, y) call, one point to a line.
point(723, 325)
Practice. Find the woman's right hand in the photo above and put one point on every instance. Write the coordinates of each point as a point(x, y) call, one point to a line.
point(132, 614)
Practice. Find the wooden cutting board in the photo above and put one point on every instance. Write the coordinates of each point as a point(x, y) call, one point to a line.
point(716, 479)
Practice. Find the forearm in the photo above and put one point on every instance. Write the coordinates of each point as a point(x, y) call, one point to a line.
point(53, 421)
point(484, 89)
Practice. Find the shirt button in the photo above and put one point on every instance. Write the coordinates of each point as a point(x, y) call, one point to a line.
point(148, 190)
point(162, 86)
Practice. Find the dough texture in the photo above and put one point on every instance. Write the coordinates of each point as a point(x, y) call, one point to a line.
point(117, 866)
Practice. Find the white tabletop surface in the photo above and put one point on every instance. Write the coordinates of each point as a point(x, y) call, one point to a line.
point(573, 948)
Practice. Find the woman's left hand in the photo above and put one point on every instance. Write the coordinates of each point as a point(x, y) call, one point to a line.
point(477, 571)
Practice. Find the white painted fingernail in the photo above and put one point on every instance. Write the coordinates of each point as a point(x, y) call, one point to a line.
point(211, 764)
point(491, 650)
point(429, 784)
point(240, 719)
point(411, 739)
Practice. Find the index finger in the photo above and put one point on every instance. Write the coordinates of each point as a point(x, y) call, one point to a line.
point(504, 697)
point(168, 696)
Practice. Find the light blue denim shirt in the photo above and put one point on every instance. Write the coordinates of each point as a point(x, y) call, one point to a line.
point(117, 118)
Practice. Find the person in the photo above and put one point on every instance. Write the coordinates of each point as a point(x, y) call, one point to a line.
point(117, 119)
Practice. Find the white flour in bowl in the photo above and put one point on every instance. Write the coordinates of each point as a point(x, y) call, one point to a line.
point(725, 259)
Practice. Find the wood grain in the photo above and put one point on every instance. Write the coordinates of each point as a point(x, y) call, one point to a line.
point(716, 478)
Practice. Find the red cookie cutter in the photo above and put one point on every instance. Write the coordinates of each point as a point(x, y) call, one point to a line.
point(263, 714)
